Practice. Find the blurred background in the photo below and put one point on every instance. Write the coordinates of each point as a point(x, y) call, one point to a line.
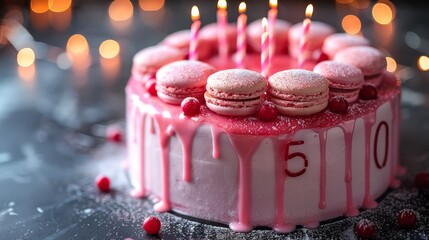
point(63, 68)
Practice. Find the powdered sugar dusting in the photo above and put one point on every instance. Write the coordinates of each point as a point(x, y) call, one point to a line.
point(341, 73)
point(368, 59)
point(157, 56)
point(184, 74)
point(237, 81)
point(297, 81)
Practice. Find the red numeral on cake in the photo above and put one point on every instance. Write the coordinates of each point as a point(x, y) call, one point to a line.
point(386, 145)
point(292, 156)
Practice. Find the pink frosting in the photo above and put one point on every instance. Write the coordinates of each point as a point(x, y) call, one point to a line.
point(210, 32)
point(317, 34)
point(368, 59)
point(181, 40)
point(254, 31)
point(156, 57)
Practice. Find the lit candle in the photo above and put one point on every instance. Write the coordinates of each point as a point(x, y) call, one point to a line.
point(272, 18)
point(302, 58)
point(265, 61)
point(241, 35)
point(195, 30)
point(222, 24)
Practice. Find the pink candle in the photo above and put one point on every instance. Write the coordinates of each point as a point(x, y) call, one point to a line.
point(265, 51)
point(303, 46)
point(272, 18)
point(222, 26)
point(195, 30)
point(241, 35)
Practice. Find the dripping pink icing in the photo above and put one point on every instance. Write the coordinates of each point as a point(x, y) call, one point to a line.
point(322, 139)
point(281, 148)
point(152, 126)
point(140, 122)
point(348, 129)
point(394, 182)
point(185, 131)
point(215, 142)
point(164, 137)
point(368, 201)
point(244, 146)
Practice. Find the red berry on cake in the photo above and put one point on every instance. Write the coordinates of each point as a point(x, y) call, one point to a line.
point(406, 218)
point(338, 105)
point(114, 134)
point(365, 228)
point(150, 86)
point(268, 112)
point(322, 57)
point(190, 106)
point(422, 180)
point(103, 183)
point(368, 92)
point(152, 225)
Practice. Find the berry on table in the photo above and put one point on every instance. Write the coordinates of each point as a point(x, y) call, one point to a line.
point(365, 228)
point(103, 183)
point(368, 92)
point(114, 134)
point(190, 106)
point(406, 218)
point(151, 225)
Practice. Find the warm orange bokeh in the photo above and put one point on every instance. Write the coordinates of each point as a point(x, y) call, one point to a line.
point(423, 63)
point(121, 10)
point(391, 64)
point(382, 13)
point(77, 44)
point(59, 5)
point(151, 5)
point(25, 57)
point(351, 24)
point(39, 6)
point(109, 49)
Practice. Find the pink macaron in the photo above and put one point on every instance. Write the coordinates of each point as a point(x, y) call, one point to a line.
point(254, 32)
point(369, 60)
point(181, 40)
point(147, 61)
point(179, 80)
point(235, 92)
point(338, 41)
point(298, 92)
point(317, 34)
point(210, 33)
point(344, 80)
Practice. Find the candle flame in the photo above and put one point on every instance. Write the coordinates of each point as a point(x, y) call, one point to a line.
point(273, 3)
point(195, 13)
point(309, 11)
point(264, 24)
point(221, 4)
point(242, 7)
point(25, 57)
point(109, 49)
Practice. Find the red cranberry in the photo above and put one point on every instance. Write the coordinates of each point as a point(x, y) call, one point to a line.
point(113, 134)
point(190, 106)
point(103, 183)
point(368, 92)
point(268, 112)
point(365, 228)
point(322, 57)
point(150, 86)
point(406, 218)
point(338, 105)
point(152, 225)
point(422, 180)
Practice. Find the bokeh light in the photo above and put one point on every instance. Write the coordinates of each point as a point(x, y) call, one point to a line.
point(423, 63)
point(391, 64)
point(59, 5)
point(360, 4)
point(151, 5)
point(351, 24)
point(344, 1)
point(25, 57)
point(121, 10)
point(382, 13)
point(109, 49)
point(39, 6)
point(77, 45)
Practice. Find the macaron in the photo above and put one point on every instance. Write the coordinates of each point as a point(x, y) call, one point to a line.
point(338, 41)
point(181, 79)
point(181, 40)
point(369, 60)
point(147, 61)
point(316, 35)
point(254, 32)
point(344, 80)
point(298, 92)
point(210, 32)
point(235, 92)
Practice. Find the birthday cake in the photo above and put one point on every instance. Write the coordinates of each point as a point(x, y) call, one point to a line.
point(302, 144)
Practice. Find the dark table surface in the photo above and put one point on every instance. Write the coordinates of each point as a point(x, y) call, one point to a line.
point(52, 127)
